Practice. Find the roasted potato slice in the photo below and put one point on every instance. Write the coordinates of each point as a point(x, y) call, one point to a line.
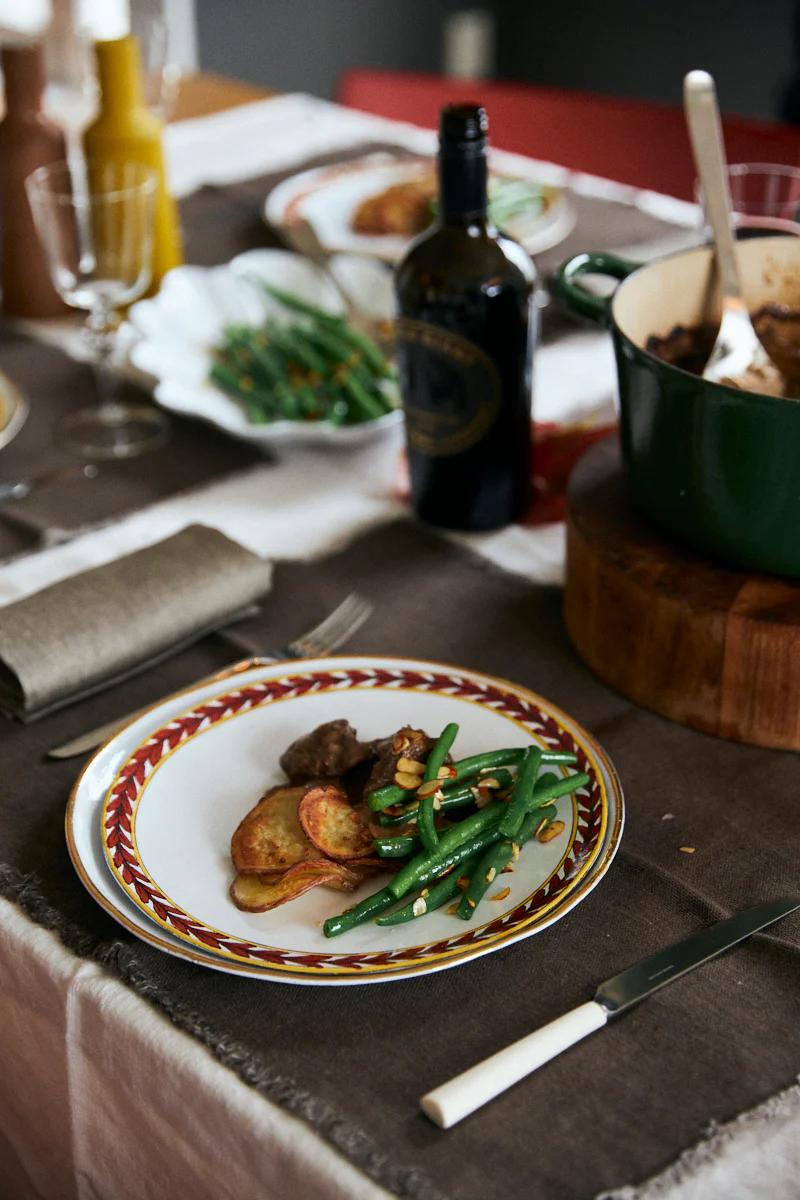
point(352, 874)
point(332, 824)
point(260, 893)
point(270, 838)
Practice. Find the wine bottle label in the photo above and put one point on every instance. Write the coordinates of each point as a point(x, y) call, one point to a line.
point(451, 389)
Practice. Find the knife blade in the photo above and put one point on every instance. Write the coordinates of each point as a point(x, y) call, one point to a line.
point(456, 1099)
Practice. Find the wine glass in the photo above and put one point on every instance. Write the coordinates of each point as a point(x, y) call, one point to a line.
point(97, 229)
point(765, 198)
point(162, 75)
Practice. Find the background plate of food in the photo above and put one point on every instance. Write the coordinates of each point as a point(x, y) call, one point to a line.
point(198, 831)
point(377, 204)
point(263, 349)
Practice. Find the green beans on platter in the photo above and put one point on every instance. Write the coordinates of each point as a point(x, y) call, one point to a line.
point(465, 768)
point(309, 367)
point(497, 858)
point(430, 898)
point(510, 810)
point(457, 797)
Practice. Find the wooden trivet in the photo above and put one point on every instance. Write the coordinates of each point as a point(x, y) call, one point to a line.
point(694, 640)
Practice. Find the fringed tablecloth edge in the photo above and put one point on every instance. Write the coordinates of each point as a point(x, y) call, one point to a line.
point(352, 1142)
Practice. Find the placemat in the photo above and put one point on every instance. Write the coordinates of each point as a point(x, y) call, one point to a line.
point(218, 223)
point(55, 384)
point(353, 1062)
point(221, 221)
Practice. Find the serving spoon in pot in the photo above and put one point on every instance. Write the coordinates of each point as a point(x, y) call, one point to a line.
point(737, 347)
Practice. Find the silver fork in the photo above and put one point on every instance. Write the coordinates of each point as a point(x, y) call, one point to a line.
point(332, 632)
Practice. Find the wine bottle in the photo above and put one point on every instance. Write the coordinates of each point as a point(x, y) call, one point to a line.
point(27, 140)
point(465, 336)
point(126, 131)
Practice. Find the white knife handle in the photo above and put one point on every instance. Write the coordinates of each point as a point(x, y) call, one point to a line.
point(456, 1099)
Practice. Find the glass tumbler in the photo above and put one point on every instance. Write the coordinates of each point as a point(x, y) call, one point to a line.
point(765, 198)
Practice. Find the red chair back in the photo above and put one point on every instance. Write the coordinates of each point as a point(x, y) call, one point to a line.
point(634, 142)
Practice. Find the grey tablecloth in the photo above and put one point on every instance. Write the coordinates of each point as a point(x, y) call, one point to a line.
point(353, 1062)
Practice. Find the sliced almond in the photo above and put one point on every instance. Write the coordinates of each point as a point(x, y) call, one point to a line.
point(410, 766)
point(446, 772)
point(429, 788)
point(408, 782)
point(501, 895)
point(551, 831)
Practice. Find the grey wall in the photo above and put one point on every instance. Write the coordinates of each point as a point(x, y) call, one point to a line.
point(628, 47)
point(305, 45)
point(643, 48)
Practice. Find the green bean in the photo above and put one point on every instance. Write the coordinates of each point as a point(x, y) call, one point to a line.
point(396, 847)
point(267, 357)
point(514, 815)
point(426, 866)
point(289, 300)
point(292, 340)
point(492, 862)
point(496, 859)
point(552, 791)
point(337, 349)
point(435, 760)
point(371, 353)
point(371, 906)
point(439, 894)
point(426, 825)
point(364, 401)
point(257, 402)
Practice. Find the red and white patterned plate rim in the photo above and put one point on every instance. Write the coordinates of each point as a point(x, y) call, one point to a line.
point(523, 707)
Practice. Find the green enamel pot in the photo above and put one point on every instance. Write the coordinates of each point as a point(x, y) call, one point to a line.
point(713, 466)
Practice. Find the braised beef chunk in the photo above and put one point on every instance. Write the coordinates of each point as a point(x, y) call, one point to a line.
point(406, 743)
point(330, 749)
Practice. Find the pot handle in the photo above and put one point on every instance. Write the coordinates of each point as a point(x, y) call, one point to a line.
point(580, 301)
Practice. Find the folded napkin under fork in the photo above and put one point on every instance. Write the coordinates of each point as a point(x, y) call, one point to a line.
point(101, 626)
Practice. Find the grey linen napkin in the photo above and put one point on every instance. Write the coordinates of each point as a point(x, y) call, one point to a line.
point(93, 629)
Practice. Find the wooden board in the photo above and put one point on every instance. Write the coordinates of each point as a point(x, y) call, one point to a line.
point(698, 642)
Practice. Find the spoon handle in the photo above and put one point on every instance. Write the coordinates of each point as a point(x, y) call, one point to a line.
point(705, 133)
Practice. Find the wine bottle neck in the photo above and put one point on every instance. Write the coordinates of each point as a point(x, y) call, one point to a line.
point(462, 187)
point(119, 74)
point(23, 71)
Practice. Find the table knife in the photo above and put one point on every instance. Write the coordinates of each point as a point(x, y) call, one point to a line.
point(456, 1099)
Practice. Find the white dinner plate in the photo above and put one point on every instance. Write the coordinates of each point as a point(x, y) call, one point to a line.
point(13, 410)
point(327, 197)
point(150, 818)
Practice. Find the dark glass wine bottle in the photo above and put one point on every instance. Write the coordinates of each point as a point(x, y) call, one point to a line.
point(465, 340)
